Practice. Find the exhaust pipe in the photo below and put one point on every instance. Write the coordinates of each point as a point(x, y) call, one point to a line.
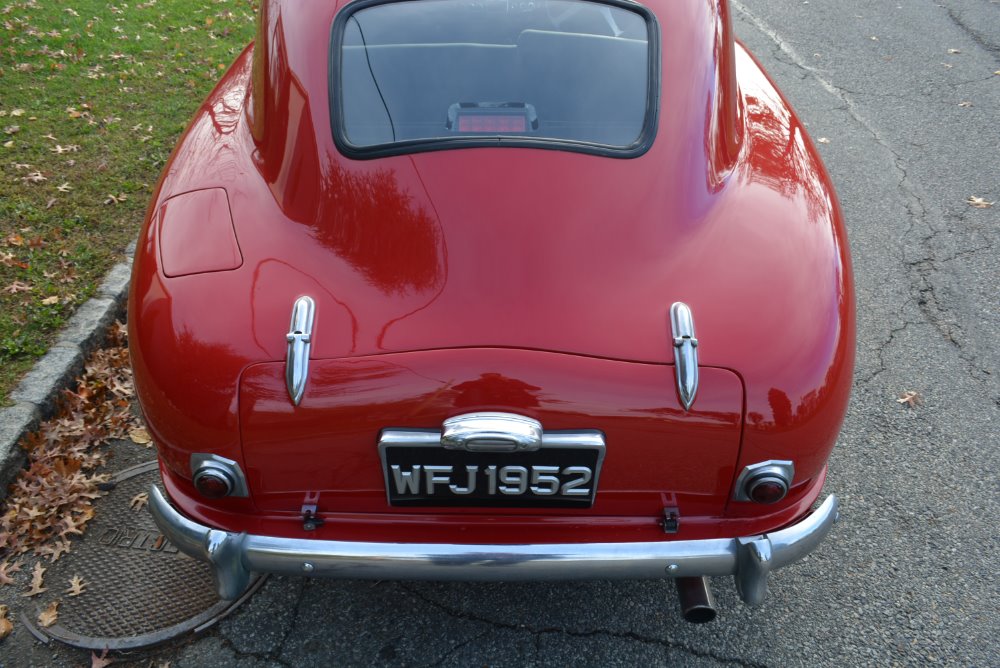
point(697, 602)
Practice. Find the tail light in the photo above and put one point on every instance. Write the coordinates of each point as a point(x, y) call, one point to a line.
point(765, 482)
point(213, 484)
point(215, 477)
point(767, 489)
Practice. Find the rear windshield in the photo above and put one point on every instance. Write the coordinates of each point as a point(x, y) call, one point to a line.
point(419, 75)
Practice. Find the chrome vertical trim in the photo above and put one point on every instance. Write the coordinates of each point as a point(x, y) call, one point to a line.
point(299, 343)
point(685, 352)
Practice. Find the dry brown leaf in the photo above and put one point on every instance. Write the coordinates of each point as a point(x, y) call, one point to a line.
point(36, 581)
point(49, 615)
point(76, 586)
point(5, 624)
point(100, 661)
point(6, 568)
point(139, 501)
point(49, 301)
point(17, 286)
point(140, 436)
point(978, 202)
point(52, 498)
point(910, 398)
point(60, 548)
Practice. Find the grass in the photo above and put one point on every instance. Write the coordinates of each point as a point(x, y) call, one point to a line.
point(93, 96)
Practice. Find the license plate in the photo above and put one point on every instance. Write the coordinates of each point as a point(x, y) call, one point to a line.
point(550, 477)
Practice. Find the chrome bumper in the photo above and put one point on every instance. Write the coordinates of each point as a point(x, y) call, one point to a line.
point(235, 555)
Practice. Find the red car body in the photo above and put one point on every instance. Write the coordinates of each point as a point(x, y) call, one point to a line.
point(518, 280)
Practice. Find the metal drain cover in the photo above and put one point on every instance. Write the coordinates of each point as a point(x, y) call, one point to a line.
point(140, 590)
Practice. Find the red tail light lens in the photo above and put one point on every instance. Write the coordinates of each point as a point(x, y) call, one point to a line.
point(766, 489)
point(212, 484)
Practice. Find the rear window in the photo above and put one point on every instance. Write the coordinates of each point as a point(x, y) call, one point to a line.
point(417, 75)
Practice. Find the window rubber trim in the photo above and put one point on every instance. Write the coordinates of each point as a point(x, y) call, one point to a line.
point(640, 146)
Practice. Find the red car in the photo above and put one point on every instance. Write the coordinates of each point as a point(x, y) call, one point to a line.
point(495, 290)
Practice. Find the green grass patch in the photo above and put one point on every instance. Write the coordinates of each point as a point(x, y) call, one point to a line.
point(93, 97)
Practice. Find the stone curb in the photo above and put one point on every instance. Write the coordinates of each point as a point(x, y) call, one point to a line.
point(36, 395)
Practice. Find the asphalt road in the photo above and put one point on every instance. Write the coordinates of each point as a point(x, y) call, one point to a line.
point(907, 95)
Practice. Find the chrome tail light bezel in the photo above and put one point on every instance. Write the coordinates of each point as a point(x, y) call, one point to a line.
point(780, 470)
point(203, 463)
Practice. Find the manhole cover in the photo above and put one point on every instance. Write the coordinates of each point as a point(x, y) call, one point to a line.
point(139, 589)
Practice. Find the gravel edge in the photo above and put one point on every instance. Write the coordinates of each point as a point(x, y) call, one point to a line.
point(36, 395)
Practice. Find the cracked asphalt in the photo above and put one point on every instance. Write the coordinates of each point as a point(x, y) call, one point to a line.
point(907, 93)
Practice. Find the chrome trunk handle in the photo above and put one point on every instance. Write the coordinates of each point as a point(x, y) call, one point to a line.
point(491, 432)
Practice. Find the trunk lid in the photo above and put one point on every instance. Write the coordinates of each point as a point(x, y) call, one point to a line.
point(657, 454)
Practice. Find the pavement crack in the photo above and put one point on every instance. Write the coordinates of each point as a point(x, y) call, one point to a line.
point(451, 652)
point(924, 223)
point(262, 657)
point(537, 632)
point(293, 624)
point(979, 38)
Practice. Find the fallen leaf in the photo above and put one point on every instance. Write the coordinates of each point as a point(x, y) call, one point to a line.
point(49, 615)
point(5, 624)
point(34, 177)
point(17, 112)
point(6, 568)
point(49, 301)
point(100, 661)
point(139, 501)
point(8, 144)
point(979, 203)
point(60, 548)
point(12, 129)
point(140, 436)
point(17, 286)
point(112, 199)
point(36, 581)
point(76, 586)
point(823, 140)
point(954, 51)
point(910, 398)
point(64, 188)
point(50, 203)
point(965, 103)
